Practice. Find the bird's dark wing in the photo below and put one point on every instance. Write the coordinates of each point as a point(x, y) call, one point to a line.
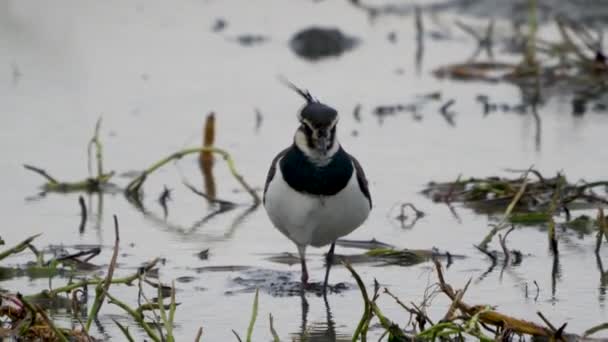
point(362, 180)
point(273, 170)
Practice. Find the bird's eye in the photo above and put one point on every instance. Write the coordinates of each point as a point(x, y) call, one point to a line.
point(307, 129)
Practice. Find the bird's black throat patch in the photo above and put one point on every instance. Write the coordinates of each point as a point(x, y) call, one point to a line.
point(304, 176)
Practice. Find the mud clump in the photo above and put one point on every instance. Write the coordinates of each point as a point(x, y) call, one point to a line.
point(280, 284)
point(315, 43)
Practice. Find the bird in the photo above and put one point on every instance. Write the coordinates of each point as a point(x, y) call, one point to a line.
point(316, 192)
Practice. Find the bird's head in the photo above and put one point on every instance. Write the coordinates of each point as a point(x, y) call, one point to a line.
point(316, 136)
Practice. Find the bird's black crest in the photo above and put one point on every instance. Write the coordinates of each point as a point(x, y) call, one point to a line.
point(315, 112)
point(304, 93)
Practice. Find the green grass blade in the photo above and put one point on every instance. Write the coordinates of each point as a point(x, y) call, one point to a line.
point(254, 315)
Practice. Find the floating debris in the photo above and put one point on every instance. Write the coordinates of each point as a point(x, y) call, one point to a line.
point(185, 279)
point(494, 194)
point(250, 39)
point(219, 25)
point(370, 244)
point(227, 268)
point(204, 254)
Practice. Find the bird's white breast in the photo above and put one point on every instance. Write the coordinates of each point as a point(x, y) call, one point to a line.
point(315, 219)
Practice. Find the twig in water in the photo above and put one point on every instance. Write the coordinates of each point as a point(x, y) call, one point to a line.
point(91, 252)
point(366, 311)
point(19, 247)
point(601, 231)
point(148, 305)
point(132, 190)
point(370, 310)
point(41, 172)
point(206, 157)
point(446, 113)
point(458, 298)
point(98, 152)
point(408, 309)
point(490, 317)
point(503, 244)
point(533, 171)
point(102, 288)
point(83, 214)
point(238, 338)
point(503, 222)
point(199, 334)
point(124, 330)
point(273, 332)
point(540, 314)
point(595, 329)
point(136, 316)
point(128, 280)
point(557, 333)
point(89, 184)
point(167, 319)
point(551, 211)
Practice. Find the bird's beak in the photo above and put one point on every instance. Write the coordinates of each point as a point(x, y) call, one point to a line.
point(323, 145)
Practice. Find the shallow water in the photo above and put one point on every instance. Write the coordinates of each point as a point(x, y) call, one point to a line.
point(154, 70)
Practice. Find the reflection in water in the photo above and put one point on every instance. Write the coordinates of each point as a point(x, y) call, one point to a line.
point(531, 97)
point(484, 43)
point(318, 331)
point(419, 40)
point(218, 210)
point(537, 127)
point(163, 199)
point(603, 278)
point(239, 220)
point(408, 221)
point(83, 215)
point(486, 272)
point(556, 274)
point(98, 214)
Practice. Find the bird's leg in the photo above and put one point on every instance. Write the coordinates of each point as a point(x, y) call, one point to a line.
point(329, 259)
point(302, 251)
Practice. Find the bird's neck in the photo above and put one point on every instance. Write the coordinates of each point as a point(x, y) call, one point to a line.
point(316, 157)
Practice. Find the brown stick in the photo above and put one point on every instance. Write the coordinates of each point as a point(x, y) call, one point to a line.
point(206, 157)
point(491, 317)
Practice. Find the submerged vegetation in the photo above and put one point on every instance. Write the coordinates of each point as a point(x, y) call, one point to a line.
point(532, 199)
point(24, 316)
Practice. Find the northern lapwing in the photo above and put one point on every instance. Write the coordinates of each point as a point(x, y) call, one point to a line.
point(315, 192)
